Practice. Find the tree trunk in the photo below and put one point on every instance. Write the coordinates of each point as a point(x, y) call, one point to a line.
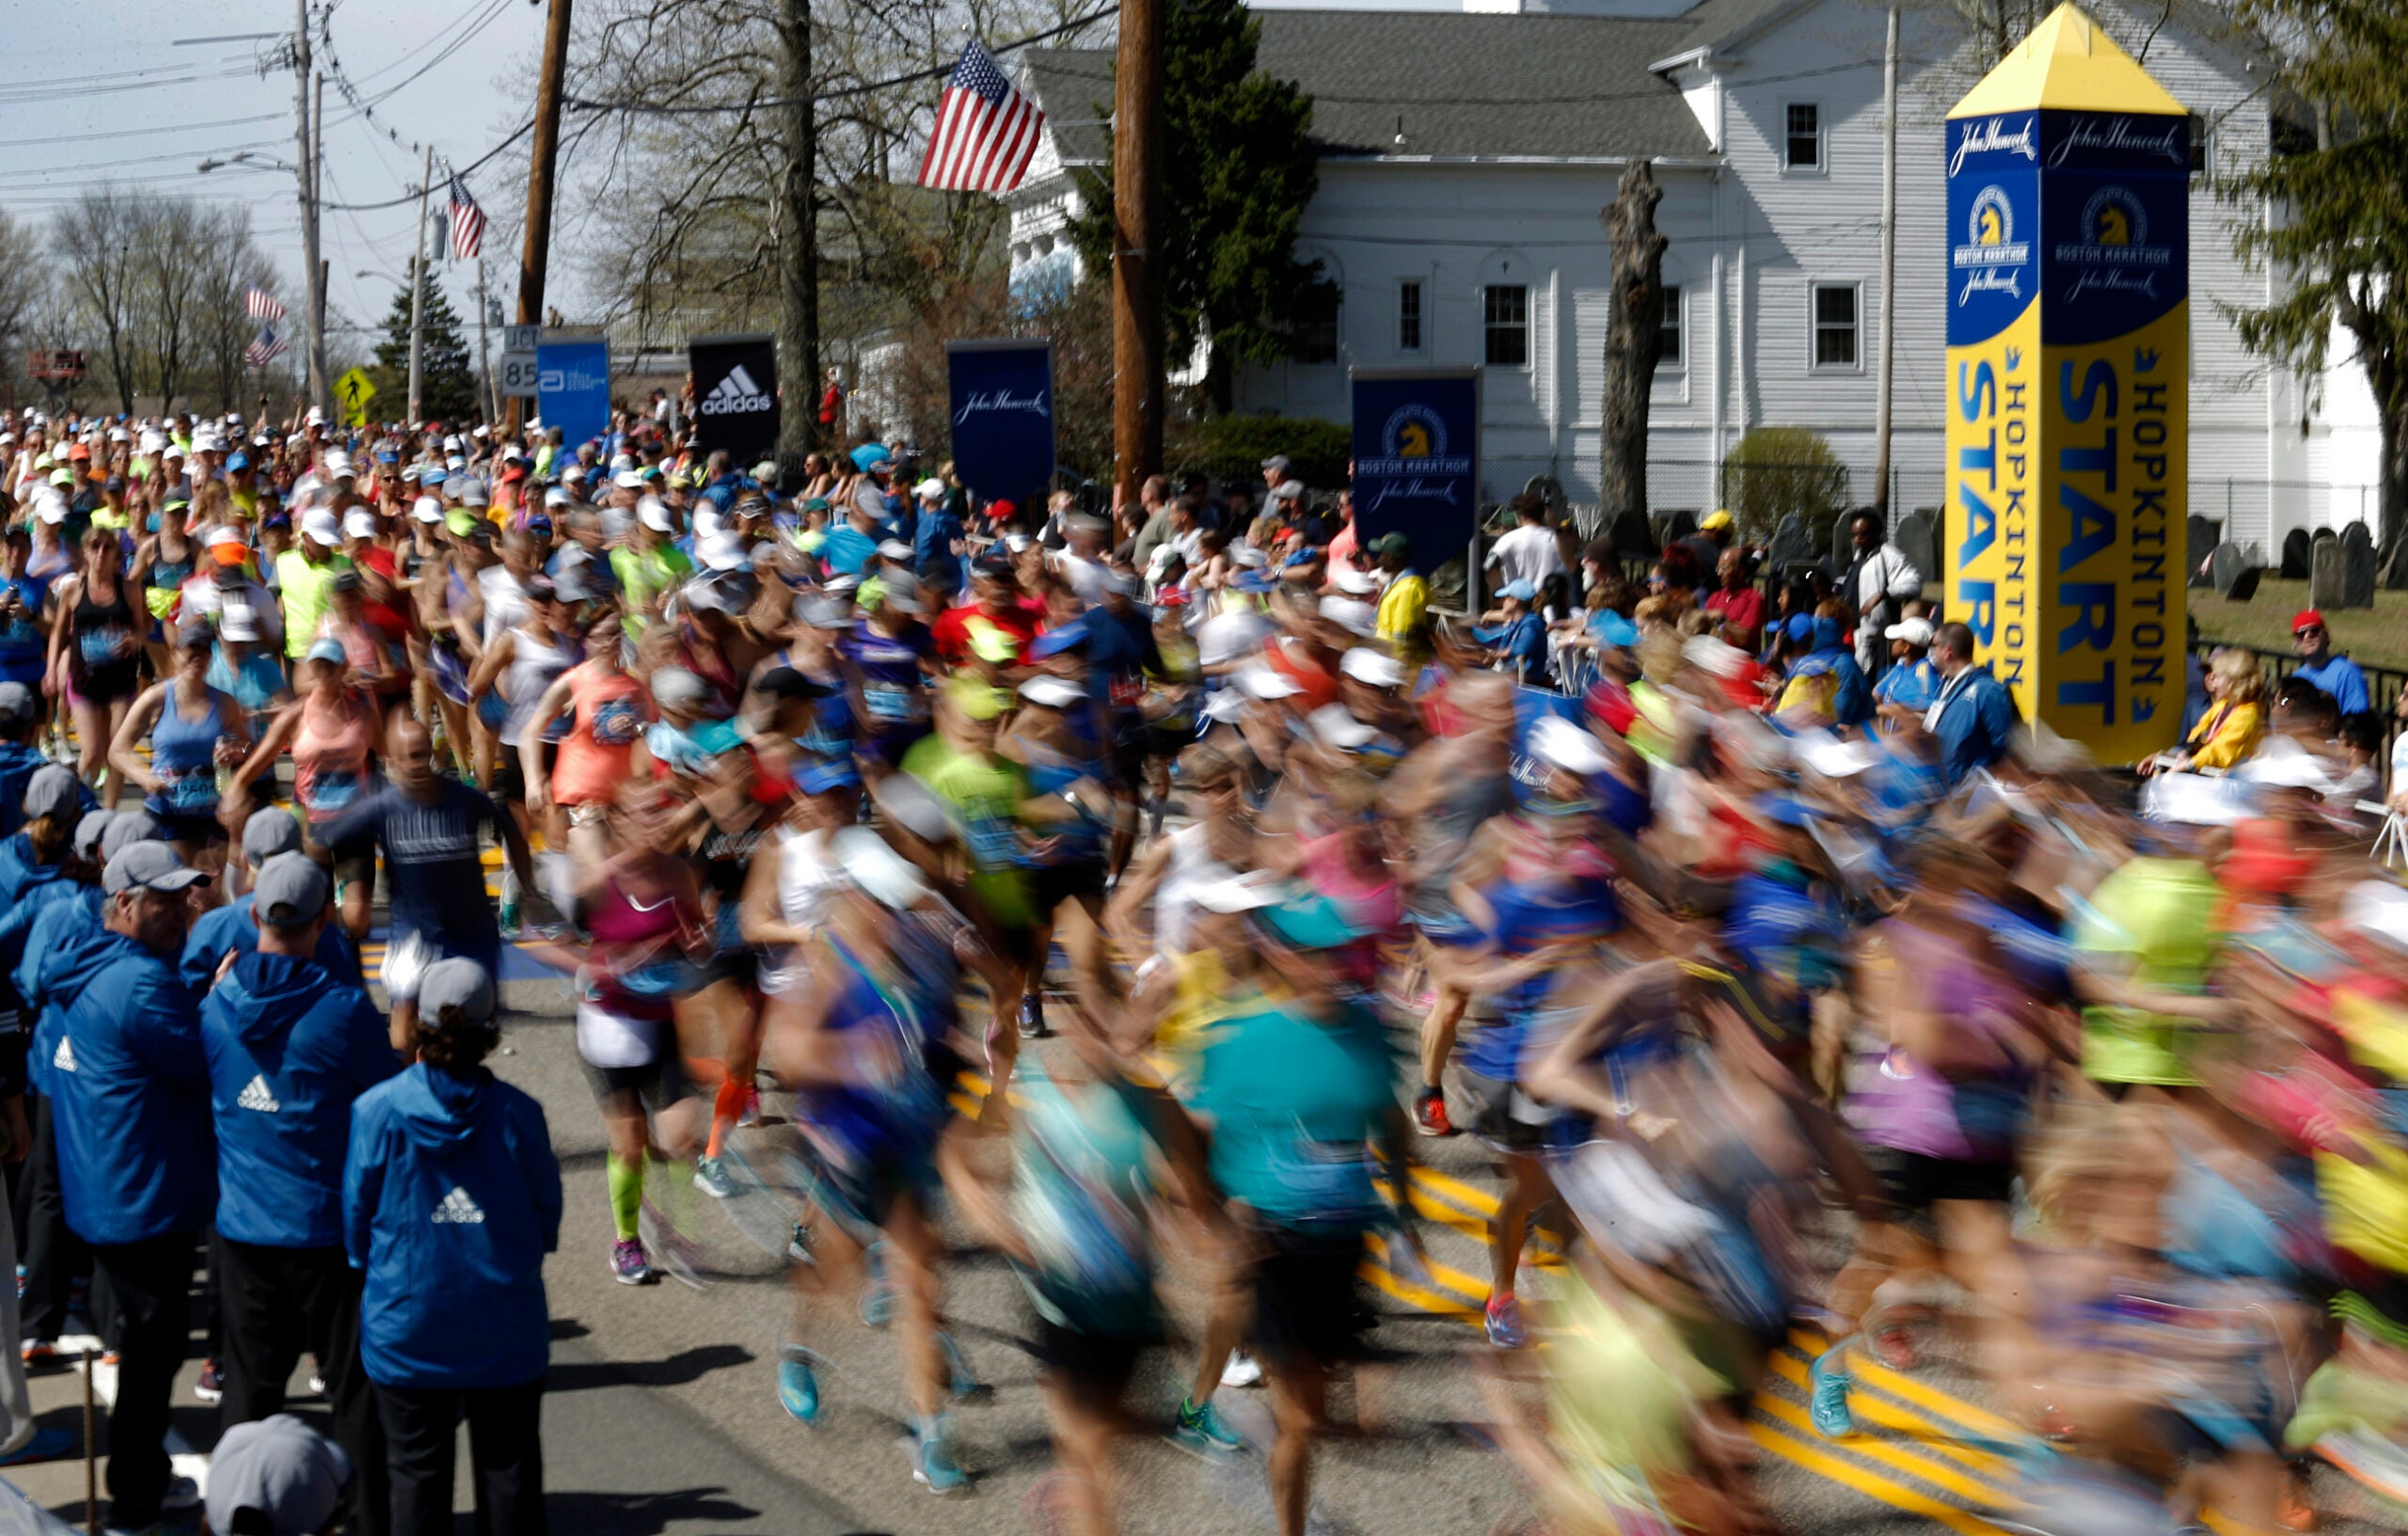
point(2391, 493)
point(799, 383)
point(1634, 341)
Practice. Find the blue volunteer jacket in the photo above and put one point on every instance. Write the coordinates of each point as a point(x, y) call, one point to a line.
point(451, 1198)
point(56, 930)
point(288, 1048)
point(231, 927)
point(131, 1093)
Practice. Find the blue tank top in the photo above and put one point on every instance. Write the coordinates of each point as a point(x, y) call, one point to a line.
point(896, 1114)
point(183, 755)
point(1531, 914)
point(1082, 839)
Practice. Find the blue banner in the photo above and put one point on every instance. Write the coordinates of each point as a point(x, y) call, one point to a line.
point(1003, 418)
point(1416, 459)
point(572, 388)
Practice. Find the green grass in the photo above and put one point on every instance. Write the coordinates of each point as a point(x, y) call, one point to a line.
point(2375, 637)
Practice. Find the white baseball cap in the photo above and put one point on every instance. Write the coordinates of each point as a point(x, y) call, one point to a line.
point(426, 509)
point(358, 523)
point(320, 525)
point(930, 489)
point(653, 514)
point(1366, 664)
point(724, 552)
point(1558, 743)
point(1915, 632)
point(627, 480)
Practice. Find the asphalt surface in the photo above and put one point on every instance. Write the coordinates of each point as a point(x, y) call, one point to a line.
point(662, 1415)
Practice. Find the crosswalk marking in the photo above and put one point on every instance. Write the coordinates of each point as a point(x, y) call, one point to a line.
point(1822, 1463)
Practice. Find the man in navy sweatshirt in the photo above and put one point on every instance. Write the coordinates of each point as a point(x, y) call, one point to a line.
point(289, 1048)
point(131, 1086)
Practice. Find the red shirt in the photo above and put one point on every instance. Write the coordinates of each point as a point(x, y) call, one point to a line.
point(951, 632)
point(1743, 611)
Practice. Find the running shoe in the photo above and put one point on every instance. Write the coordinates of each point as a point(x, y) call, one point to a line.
point(961, 1382)
point(1430, 1114)
point(1504, 1322)
point(628, 1265)
point(181, 1493)
point(1032, 1017)
point(878, 1291)
point(2373, 1463)
point(711, 1179)
point(211, 1386)
point(37, 1352)
point(1242, 1371)
point(751, 1116)
point(1201, 1429)
point(799, 1388)
point(1827, 1387)
point(39, 1445)
point(932, 1463)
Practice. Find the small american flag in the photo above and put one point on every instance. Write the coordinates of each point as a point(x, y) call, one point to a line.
point(264, 347)
point(260, 305)
point(986, 130)
point(468, 222)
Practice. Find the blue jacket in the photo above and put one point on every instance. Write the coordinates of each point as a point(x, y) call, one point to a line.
point(19, 763)
point(932, 555)
point(2342, 678)
point(131, 1093)
point(288, 1048)
point(1976, 718)
point(230, 927)
point(450, 1199)
point(56, 930)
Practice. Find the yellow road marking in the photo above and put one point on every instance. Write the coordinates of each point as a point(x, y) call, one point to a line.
point(1976, 1420)
point(1888, 1452)
point(1929, 1431)
point(1872, 1485)
point(1385, 1279)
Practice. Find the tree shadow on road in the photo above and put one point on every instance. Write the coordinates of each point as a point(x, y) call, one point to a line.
point(676, 1370)
point(645, 1514)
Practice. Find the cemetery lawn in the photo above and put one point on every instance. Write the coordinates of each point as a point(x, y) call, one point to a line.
point(2375, 637)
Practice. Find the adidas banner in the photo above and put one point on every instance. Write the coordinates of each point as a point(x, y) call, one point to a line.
point(735, 393)
point(1003, 418)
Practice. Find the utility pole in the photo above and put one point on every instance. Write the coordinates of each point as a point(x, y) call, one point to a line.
point(1137, 378)
point(417, 288)
point(797, 243)
point(538, 175)
point(1889, 271)
point(313, 314)
point(484, 364)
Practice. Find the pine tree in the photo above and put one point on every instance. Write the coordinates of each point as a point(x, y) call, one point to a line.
point(447, 380)
point(1238, 169)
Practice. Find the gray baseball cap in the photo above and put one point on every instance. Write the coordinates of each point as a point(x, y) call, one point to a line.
point(269, 832)
point(16, 702)
point(456, 984)
point(290, 891)
point(127, 826)
point(89, 832)
point(276, 1475)
point(53, 791)
point(147, 866)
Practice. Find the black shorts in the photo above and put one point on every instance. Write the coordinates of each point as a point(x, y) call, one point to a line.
point(510, 775)
point(1050, 885)
point(656, 1084)
point(1308, 1305)
point(1168, 740)
point(1912, 1181)
point(1095, 1364)
point(200, 830)
point(1492, 1120)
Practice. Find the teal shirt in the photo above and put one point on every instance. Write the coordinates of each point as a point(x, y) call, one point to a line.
point(1293, 1101)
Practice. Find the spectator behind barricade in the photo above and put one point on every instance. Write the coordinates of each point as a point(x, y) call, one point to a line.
point(1974, 717)
point(1878, 582)
point(1907, 688)
point(2234, 725)
point(1403, 618)
point(2319, 664)
point(1738, 602)
point(1528, 552)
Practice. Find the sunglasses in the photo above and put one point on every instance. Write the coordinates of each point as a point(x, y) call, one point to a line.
point(2309, 632)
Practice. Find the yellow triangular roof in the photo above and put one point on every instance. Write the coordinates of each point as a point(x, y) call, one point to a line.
point(2068, 63)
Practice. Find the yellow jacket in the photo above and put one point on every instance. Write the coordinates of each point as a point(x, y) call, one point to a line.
point(2226, 735)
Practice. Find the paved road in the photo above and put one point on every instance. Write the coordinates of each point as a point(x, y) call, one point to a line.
point(662, 1417)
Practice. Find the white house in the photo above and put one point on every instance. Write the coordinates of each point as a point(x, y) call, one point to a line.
point(1468, 153)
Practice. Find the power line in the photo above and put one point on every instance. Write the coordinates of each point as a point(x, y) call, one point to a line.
point(162, 128)
point(840, 92)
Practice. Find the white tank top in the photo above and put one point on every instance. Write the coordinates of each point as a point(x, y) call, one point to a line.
point(1190, 865)
point(806, 877)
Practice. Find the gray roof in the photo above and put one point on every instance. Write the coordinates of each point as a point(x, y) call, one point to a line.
point(1535, 86)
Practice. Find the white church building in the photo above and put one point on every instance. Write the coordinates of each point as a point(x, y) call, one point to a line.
point(1467, 154)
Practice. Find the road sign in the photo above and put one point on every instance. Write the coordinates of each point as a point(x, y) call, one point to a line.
point(354, 391)
point(55, 365)
point(518, 372)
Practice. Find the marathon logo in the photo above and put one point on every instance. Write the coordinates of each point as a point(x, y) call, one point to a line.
point(737, 395)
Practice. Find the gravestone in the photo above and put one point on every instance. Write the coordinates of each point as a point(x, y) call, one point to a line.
point(2357, 566)
point(2199, 545)
point(1791, 544)
point(1679, 526)
point(2244, 586)
point(2224, 568)
point(1632, 538)
point(1918, 539)
point(2295, 548)
point(2327, 583)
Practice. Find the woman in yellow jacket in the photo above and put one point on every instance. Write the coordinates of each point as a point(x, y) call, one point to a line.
point(2235, 722)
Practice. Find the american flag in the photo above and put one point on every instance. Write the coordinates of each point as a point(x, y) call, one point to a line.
point(986, 130)
point(264, 347)
point(260, 305)
point(467, 222)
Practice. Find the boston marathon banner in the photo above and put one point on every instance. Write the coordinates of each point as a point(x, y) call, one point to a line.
point(1416, 457)
point(735, 393)
point(1003, 417)
point(573, 385)
point(2068, 367)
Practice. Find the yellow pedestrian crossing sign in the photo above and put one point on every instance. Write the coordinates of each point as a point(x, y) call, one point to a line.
point(354, 390)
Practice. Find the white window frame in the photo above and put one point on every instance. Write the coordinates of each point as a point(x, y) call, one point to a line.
point(1822, 166)
point(1420, 289)
point(1679, 308)
point(1815, 290)
point(1530, 326)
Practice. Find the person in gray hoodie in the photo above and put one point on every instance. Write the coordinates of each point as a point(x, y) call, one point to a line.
point(289, 1047)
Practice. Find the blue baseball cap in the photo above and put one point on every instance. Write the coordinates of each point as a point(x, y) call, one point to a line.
point(1800, 627)
point(1521, 590)
point(1068, 637)
point(238, 460)
point(1615, 630)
